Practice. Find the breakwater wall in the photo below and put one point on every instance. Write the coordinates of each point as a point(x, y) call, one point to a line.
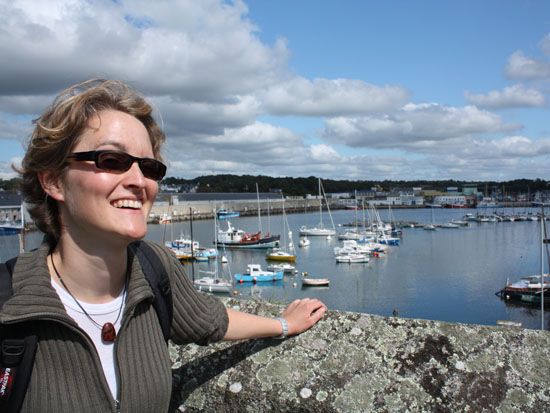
point(204, 209)
point(352, 362)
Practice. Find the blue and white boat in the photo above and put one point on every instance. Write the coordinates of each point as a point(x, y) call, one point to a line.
point(223, 213)
point(254, 273)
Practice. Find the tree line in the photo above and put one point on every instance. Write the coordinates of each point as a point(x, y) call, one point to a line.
point(309, 185)
point(301, 186)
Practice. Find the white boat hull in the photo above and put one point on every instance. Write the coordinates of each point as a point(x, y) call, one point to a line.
point(213, 285)
point(317, 232)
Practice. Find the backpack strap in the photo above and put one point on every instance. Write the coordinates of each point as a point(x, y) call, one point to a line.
point(156, 275)
point(6, 289)
point(17, 351)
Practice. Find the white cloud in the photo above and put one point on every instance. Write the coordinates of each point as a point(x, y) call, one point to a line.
point(182, 117)
point(414, 127)
point(6, 170)
point(494, 159)
point(199, 50)
point(325, 97)
point(257, 148)
point(324, 153)
point(509, 147)
point(521, 67)
point(509, 97)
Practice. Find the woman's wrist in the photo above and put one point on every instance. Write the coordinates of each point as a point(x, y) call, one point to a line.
point(284, 328)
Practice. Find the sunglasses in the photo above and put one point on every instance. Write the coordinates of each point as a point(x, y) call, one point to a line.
point(116, 161)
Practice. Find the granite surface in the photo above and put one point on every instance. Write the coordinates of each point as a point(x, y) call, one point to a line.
point(352, 362)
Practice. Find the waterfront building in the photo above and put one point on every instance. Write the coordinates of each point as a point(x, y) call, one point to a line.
point(450, 199)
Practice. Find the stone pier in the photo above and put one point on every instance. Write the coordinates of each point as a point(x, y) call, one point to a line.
point(352, 362)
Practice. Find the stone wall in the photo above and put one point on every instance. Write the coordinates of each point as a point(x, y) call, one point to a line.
point(351, 362)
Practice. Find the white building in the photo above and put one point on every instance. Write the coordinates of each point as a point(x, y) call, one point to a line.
point(449, 200)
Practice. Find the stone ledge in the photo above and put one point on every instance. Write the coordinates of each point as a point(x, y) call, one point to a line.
point(352, 362)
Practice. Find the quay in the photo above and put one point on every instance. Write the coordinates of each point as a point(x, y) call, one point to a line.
point(202, 206)
point(352, 362)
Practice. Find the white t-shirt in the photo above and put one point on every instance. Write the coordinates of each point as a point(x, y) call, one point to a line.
point(101, 313)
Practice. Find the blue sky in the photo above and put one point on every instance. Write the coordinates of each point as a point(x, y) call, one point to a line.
point(337, 89)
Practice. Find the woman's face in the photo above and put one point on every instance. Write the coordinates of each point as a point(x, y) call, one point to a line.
point(102, 205)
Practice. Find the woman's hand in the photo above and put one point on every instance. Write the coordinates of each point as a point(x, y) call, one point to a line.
point(303, 314)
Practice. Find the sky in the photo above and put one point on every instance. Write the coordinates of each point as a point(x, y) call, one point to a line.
point(339, 89)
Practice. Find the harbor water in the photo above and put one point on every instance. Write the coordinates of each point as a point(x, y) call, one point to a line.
point(447, 274)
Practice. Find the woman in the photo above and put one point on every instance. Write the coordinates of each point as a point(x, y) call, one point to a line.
point(90, 176)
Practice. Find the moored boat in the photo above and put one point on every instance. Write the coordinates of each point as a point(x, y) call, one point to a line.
point(276, 254)
point(223, 213)
point(527, 290)
point(237, 238)
point(285, 268)
point(286, 252)
point(449, 225)
point(183, 248)
point(254, 273)
point(320, 230)
point(352, 258)
point(314, 282)
point(211, 283)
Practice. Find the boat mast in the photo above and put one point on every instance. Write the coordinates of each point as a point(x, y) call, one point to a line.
point(192, 250)
point(259, 214)
point(215, 242)
point(320, 206)
point(542, 240)
point(328, 207)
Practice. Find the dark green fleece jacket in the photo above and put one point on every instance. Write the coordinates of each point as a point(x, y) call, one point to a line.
point(67, 374)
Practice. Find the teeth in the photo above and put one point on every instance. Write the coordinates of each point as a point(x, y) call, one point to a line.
point(127, 203)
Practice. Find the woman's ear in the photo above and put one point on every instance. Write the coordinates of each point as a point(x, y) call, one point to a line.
point(52, 185)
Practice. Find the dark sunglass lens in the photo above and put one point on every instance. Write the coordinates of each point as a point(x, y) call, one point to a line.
point(113, 161)
point(152, 169)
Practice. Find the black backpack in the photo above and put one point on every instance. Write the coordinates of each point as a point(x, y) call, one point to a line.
point(18, 346)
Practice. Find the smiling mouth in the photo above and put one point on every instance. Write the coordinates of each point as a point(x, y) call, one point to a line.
point(127, 204)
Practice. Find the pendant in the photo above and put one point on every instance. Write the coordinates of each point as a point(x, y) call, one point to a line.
point(108, 332)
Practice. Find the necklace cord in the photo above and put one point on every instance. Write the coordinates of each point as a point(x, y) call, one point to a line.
point(80, 305)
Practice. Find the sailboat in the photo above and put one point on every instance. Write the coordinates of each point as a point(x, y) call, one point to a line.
point(430, 227)
point(320, 229)
point(237, 238)
point(532, 289)
point(210, 280)
point(286, 252)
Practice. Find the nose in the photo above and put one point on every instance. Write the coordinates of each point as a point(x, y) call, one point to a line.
point(134, 176)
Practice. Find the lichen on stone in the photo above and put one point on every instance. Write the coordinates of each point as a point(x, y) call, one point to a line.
point(354, 362)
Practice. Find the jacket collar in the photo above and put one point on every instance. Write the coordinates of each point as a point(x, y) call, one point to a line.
point(34, 297)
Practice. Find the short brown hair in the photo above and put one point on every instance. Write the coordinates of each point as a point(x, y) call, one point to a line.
point(58, 129)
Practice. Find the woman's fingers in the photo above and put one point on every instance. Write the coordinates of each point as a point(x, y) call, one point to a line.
point(302, 314)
